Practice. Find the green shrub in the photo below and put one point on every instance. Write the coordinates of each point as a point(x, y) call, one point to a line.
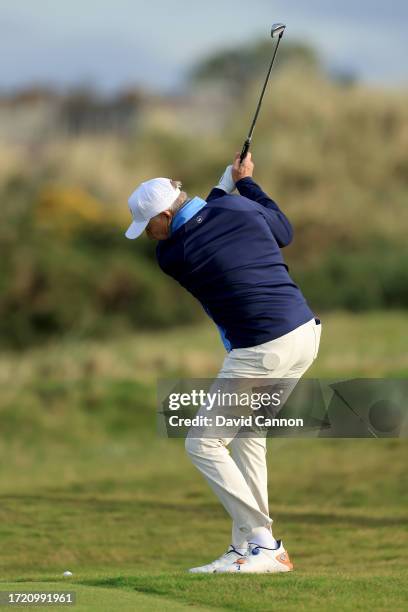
point(366, 280)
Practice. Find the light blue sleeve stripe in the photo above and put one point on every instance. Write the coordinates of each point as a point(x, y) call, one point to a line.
point(224, 339)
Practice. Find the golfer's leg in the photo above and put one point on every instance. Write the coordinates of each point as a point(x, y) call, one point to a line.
point(227, 481)
point(250, 456)
point(210, 455)
point(250, 453)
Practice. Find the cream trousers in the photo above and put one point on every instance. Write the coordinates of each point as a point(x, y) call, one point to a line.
point(239, 479)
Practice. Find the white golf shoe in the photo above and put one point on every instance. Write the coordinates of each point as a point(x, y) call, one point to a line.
point(226, 559)
point(260, 560)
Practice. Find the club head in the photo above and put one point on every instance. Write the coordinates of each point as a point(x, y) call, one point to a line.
point(277, 29)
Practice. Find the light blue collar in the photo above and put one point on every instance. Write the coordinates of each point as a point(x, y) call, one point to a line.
point(187, 212)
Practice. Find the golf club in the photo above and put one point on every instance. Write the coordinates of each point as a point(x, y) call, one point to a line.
point(276, 32)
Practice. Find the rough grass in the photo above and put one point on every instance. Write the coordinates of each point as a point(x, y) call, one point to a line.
point(370, 344)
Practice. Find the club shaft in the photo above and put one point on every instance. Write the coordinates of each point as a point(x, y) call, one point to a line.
point(247, 143)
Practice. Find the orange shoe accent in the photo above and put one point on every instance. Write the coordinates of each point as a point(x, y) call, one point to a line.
point(284, 558)
point(240, 561)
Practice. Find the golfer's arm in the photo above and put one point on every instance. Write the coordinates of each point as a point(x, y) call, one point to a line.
point(215, 192)
point(277, 221)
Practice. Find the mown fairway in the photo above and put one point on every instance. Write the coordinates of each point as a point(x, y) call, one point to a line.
point(86, 485)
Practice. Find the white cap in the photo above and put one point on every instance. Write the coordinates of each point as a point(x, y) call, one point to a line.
point(148, 200)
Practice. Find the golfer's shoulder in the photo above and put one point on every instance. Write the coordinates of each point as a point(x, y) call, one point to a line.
point(231, 202)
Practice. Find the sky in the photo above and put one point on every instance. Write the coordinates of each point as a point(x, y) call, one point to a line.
point(111, 44)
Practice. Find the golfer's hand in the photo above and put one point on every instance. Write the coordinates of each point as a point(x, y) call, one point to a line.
point(226, 182)
point(241, 170)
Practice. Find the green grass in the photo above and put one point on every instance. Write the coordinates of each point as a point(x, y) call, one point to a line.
point(101, 599)
point(86, 484)
point(116, 526)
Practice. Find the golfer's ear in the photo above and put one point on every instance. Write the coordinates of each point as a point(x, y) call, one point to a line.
point(168, 213)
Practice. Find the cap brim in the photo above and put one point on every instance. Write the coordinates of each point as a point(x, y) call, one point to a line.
point(135, 229)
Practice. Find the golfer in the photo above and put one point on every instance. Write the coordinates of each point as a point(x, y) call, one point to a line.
point(226, 251)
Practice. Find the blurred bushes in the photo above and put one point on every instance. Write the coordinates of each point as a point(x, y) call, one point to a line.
point(67, 208)
point(92, 282)
point(334, 158)
point(52, 289)
point(66, 269)
point(375, 279)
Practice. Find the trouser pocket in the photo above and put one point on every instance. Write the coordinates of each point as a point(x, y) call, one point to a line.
point(317, 329)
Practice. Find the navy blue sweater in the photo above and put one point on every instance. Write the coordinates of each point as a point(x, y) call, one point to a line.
point(228, 256)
